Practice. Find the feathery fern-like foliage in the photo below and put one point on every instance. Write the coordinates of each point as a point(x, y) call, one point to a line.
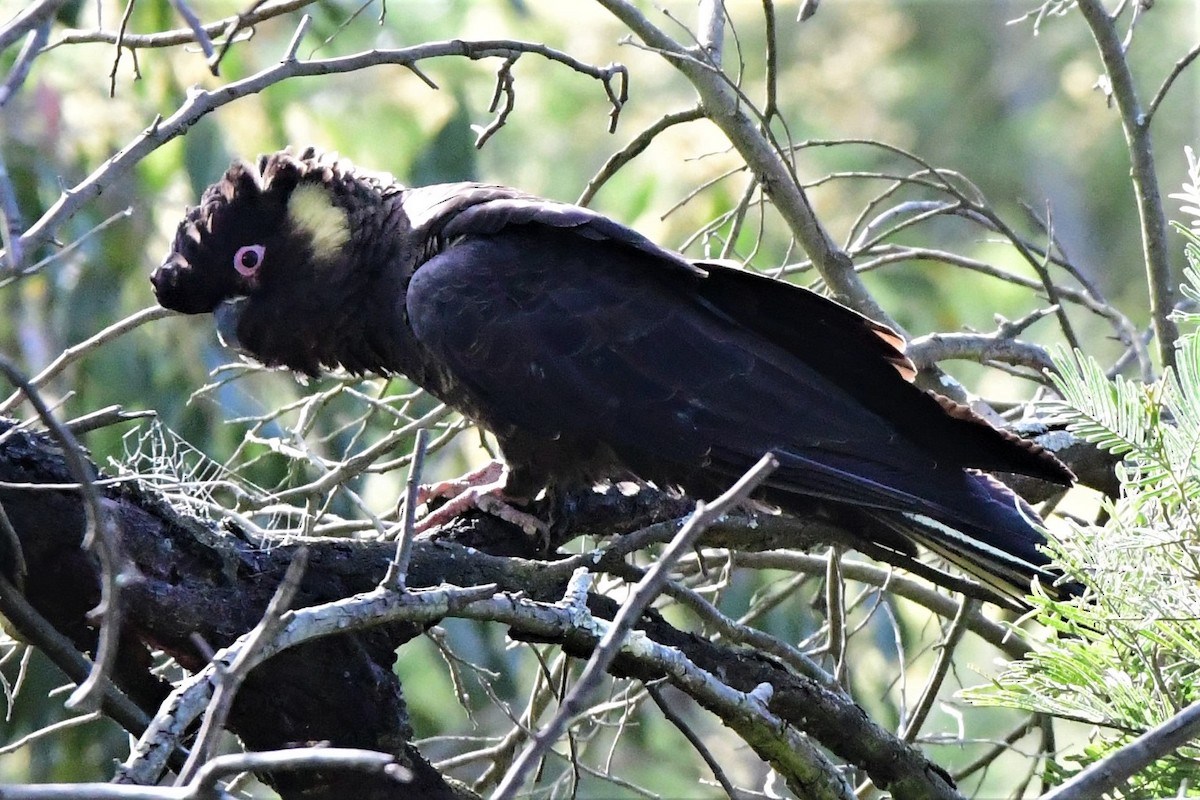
point(1127, 657)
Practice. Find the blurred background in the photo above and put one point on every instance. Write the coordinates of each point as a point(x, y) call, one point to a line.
point(988, 89)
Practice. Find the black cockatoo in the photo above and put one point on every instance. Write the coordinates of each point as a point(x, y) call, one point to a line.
point(592, 353)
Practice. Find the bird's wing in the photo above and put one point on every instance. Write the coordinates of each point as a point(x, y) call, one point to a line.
point(558, 334)
point(863, 357)
point(448, 211)
point(855, 353)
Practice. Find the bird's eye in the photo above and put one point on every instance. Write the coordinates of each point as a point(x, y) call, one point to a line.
point(248, 259)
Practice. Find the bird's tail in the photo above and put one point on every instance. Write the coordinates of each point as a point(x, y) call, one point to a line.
point(997, 539)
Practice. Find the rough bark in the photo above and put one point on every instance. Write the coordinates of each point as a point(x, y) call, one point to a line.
point(196, 580)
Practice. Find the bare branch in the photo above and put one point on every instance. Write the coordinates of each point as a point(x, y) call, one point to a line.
point(1135, 124)
point(297, 37)
point(728, 110)
point(1169, 81)
point(635, 148)
point(102, 536)
point(197, 28)
point(112, 75)
point(262, 12)
point(201, 102)
point(205, 783)
point(982, 347)
point(24, 62)
point(1112, 772)
point(694, 740)
point(28, 19)
point(615, 636)
point(505, 90)
point(397, 571)
point(958, 626)
point(75, 352)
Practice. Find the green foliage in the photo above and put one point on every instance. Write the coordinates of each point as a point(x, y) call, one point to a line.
point(1126, 658)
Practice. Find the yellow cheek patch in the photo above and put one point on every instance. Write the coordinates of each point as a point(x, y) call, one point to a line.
point(311, 210)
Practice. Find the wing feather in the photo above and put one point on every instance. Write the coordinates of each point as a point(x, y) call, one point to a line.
point(604, 346)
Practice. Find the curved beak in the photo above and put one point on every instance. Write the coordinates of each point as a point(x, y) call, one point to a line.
point(178, 287)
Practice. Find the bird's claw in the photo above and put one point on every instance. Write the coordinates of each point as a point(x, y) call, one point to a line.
point(490, 504)
point(482, 489)
point(490, 476)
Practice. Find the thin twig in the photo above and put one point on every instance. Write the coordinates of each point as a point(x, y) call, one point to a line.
point(631, 610)
point(1003, 746)
point(958, 626)
point(289, 54)
point(771, 61)
point(1169, 81)
point(174, 38)
point(19, 569)
point(835, 614)
point(65, 250)
point(112, 75)
point(237, 23)
point(506, 90)
point(48, 730)
point(694, 740)
point(77, 351)
point(632, 150)
point(397, 570)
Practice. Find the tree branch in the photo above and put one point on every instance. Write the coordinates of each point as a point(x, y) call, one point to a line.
point(201, 102)
point(179, 596)
point(728, 110)
point(1112, 773)
point(1136, 125)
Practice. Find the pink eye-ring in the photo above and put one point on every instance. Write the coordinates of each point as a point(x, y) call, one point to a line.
point(248, 259)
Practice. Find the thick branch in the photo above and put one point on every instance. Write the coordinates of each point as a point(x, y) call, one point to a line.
point(1113, 772)
point(198, 581)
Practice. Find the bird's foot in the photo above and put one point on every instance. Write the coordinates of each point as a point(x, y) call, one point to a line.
point(481, 489)
point(491, 475)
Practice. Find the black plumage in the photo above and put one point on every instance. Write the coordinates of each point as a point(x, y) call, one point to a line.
point(592, 353)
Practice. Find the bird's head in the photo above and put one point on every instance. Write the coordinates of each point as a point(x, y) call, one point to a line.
point(265, 249)
point(253, 231)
